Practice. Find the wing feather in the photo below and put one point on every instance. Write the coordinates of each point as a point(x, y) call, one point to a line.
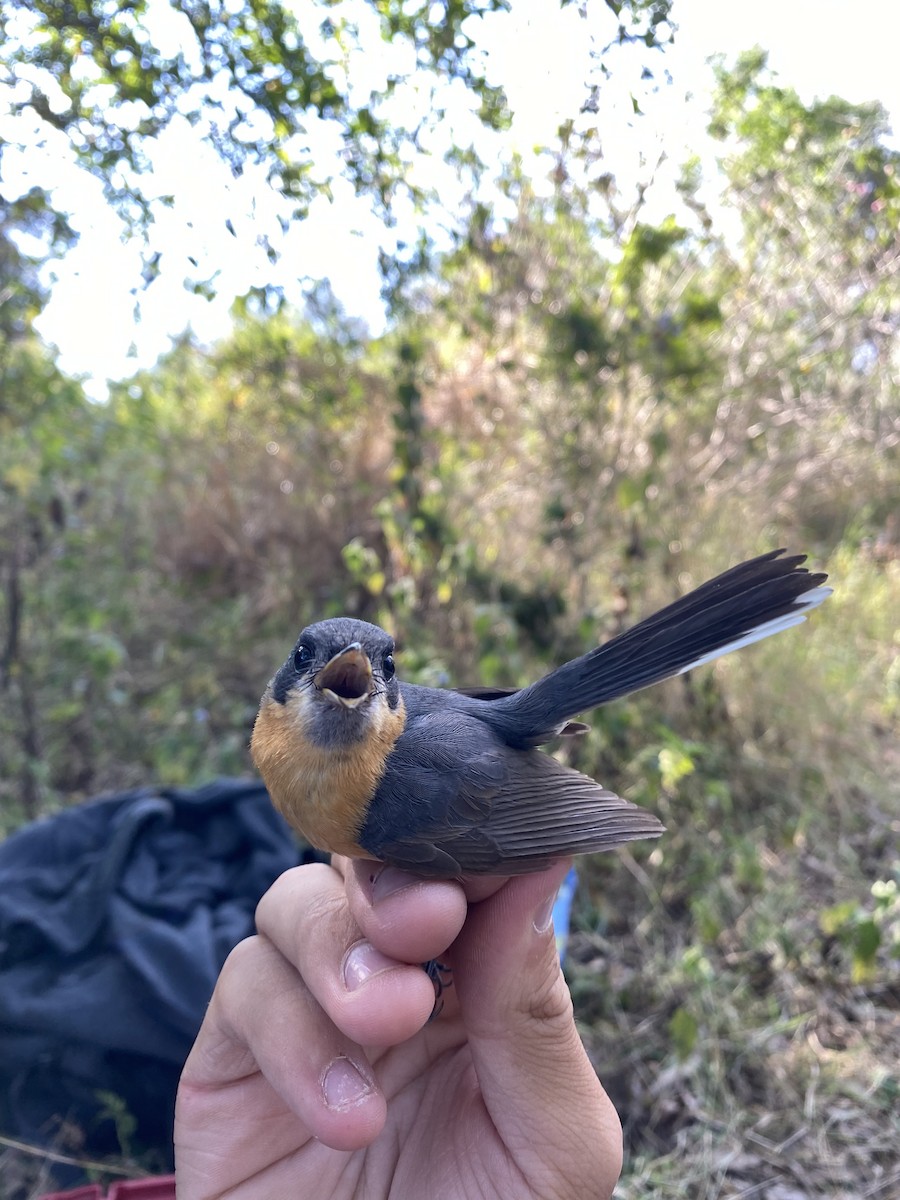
point(493, 810)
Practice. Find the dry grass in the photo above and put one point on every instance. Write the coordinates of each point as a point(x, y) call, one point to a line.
point(749, 1065)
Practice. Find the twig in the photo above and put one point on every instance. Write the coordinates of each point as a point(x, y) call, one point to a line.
point(87, 1164)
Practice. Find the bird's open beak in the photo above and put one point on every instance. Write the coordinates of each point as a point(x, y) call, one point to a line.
point(346, 679)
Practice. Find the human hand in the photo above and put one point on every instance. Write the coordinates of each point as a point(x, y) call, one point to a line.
point(317, 1073)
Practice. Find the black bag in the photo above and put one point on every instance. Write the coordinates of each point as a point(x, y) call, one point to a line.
point(115, 919)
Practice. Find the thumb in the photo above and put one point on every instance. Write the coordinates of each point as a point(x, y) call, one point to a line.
point(537, 1082)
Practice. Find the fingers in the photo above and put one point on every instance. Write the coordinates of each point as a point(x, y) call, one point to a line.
point(267, 1047)
point(405, 916)
point(536, 1079)
point(373, 998)
point(294, 1007)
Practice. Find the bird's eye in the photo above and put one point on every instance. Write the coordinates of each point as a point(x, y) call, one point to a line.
point(303, 656)
point(389, 668)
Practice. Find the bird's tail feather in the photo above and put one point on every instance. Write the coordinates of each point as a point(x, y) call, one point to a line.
point(750, 602)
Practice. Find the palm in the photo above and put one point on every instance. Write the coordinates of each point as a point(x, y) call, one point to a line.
point(449, 1145)
point(439, 1139)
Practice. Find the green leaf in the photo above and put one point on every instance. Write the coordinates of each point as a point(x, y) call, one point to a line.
point(683, 1032)
point(629, 493)
point(674, 765)
point(866, 940)
point(835, 920)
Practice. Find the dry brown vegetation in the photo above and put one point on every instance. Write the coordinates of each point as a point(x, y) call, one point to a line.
point(561, 440)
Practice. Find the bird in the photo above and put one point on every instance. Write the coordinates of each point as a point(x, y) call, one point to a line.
point(448, 783)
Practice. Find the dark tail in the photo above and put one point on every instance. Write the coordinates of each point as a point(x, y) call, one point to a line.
point(746, 604)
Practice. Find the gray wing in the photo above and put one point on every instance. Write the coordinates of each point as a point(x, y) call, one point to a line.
point(456, 800)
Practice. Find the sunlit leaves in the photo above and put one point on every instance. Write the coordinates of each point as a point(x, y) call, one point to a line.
point(867, 931)
point(247, 75)
point(256, 79)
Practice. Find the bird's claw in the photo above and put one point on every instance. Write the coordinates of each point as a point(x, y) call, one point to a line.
point(441, 977)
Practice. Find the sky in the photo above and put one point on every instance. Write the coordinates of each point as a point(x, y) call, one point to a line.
point(540, 55)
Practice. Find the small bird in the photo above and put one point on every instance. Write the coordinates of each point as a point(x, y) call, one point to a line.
point(446, 783)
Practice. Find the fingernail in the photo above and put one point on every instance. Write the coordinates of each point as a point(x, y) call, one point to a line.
point(361, 962)
point(392, 880)
point(543, 918)
point(343, 1084)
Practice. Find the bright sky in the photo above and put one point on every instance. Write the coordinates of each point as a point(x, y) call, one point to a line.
point(540, 55)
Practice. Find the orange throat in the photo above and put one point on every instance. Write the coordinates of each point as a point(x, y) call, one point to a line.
point(323, 792)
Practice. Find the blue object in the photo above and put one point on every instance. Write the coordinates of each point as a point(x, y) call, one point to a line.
point(562, 911)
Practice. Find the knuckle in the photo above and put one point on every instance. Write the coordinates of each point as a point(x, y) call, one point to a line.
point(550, 1002)
point(290, 888)
point(245, 962)
point(246, 955)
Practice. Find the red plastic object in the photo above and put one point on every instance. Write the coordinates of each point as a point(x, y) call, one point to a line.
point(162, 1187)
point(91, 1192)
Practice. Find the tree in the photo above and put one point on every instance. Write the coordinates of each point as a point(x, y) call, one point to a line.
point(43, 430)
point(811, 410)
point(256, 80)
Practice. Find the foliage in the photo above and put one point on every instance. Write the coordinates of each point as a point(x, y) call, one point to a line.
point(266, 84)
point(42, 434)
point(580, 414)
point(865, 930)
point(113, 77)
point(23, 293)
point(818, 195)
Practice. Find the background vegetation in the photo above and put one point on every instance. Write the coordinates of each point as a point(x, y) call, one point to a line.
point(575, 415)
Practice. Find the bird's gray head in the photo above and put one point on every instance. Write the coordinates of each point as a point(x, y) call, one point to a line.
point(339, 674)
